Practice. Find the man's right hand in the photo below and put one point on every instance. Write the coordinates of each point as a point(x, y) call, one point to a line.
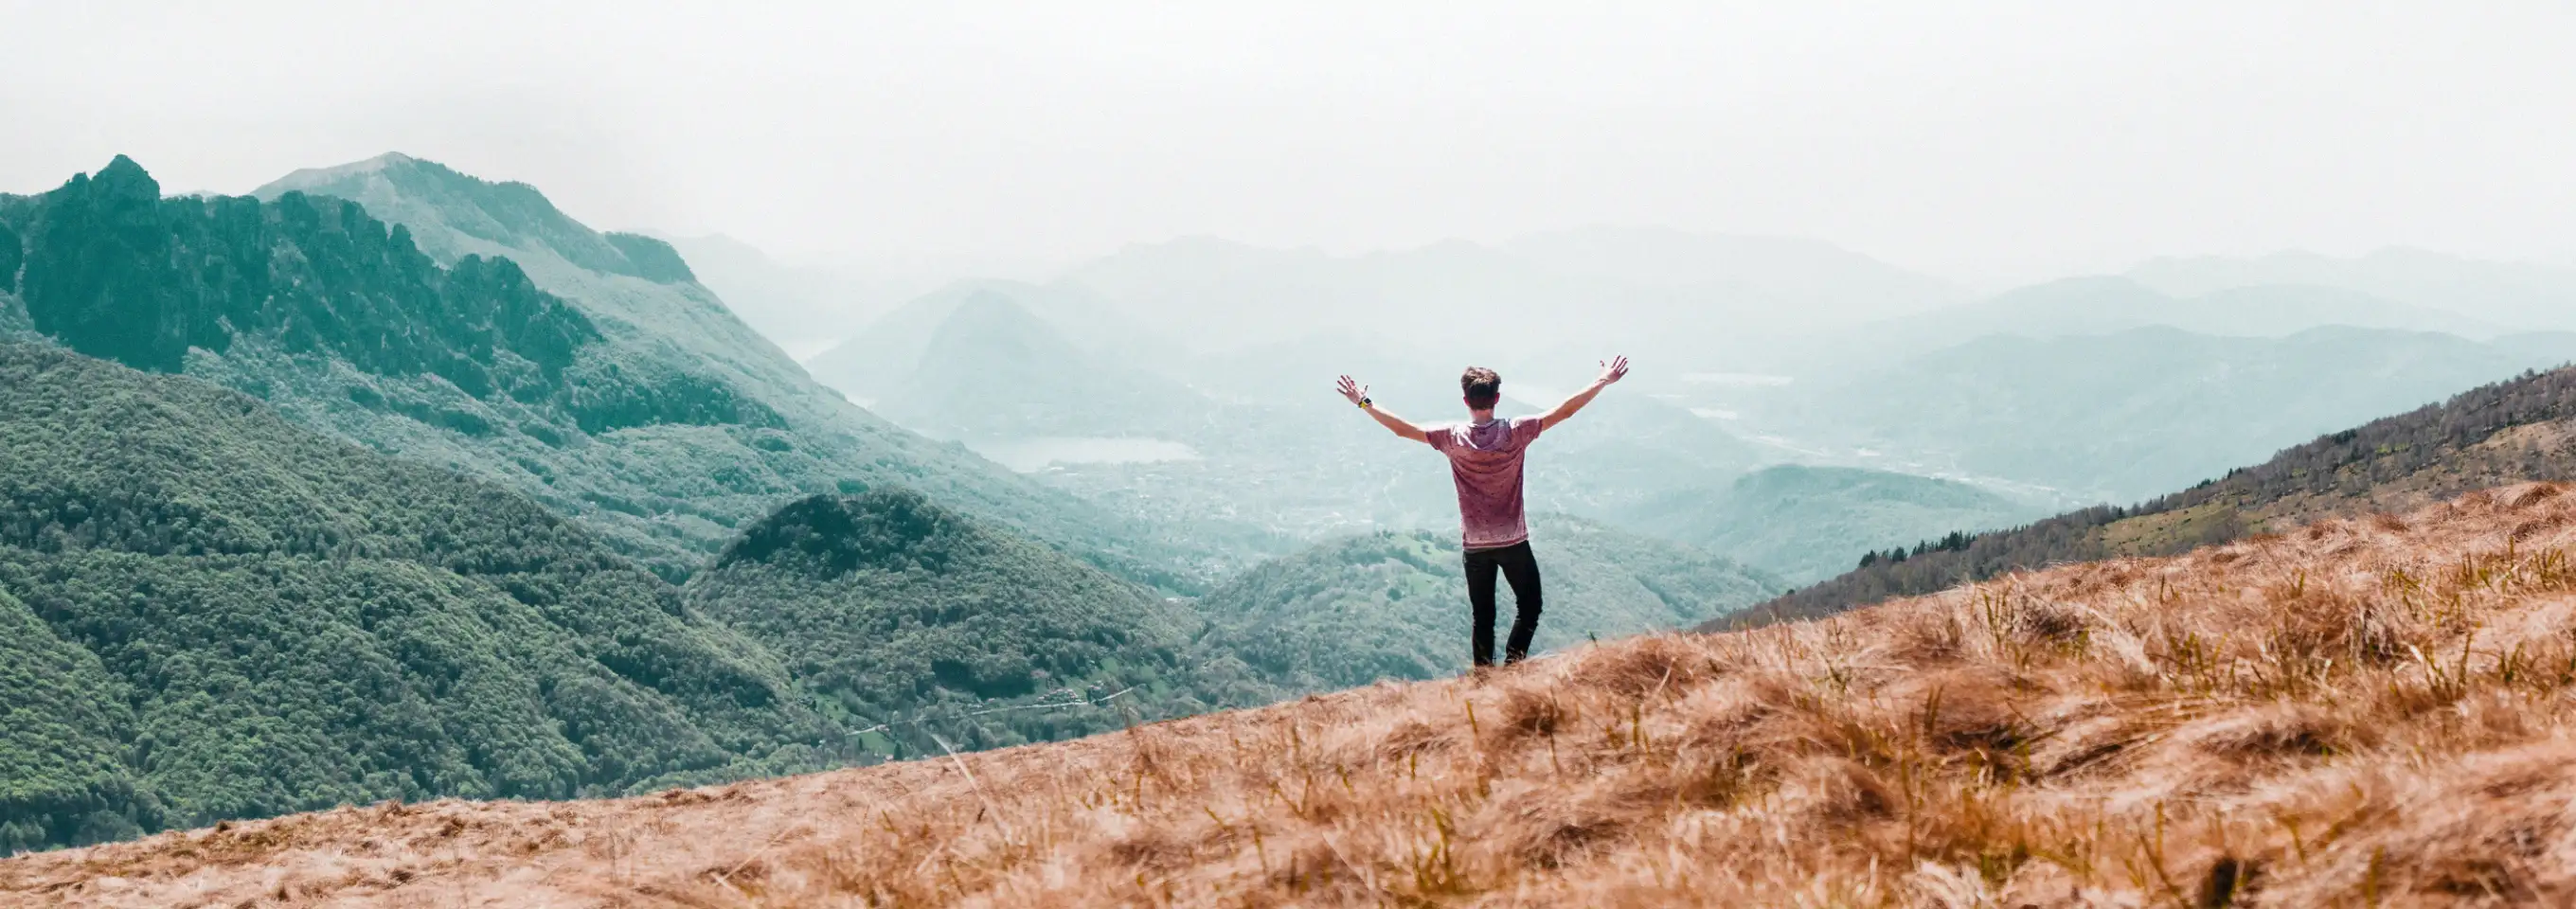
point(1357, 393)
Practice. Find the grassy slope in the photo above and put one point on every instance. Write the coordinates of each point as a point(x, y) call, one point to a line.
point(2492, 435)
point(2363, 712)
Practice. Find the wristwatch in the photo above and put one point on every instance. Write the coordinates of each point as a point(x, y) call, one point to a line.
point(1365, 402)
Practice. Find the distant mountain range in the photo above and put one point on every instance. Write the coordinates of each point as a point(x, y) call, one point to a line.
point(1819, 282)
point(2515, 295)
point(1649, 292)
point(2101, 305)
point(995, 370)
point(1080, 329)
point(2119, 416)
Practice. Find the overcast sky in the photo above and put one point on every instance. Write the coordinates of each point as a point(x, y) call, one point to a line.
point(1977, 140)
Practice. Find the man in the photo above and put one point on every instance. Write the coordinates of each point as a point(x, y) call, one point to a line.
point(1485, 460)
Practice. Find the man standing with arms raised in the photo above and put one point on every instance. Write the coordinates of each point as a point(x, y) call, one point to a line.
point(1485, 460)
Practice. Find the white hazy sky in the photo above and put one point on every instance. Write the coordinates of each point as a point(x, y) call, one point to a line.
point(1974, 139)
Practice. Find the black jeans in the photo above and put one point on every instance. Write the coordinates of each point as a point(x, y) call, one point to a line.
point(1520, 568)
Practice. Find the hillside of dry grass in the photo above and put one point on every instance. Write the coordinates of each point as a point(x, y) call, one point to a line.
point(2369, 711)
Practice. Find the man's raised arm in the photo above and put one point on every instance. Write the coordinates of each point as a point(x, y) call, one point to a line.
point(1612, 371)
point(1358, 394)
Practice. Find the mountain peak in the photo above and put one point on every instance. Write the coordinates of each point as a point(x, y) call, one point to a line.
point(386, 161)
point(987, 303)
point(124, 179)
point(306, 179)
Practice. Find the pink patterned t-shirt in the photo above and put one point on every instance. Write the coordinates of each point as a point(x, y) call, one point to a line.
point(1485, 459)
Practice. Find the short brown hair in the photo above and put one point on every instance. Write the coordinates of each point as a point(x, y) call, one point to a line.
point(1483, 386)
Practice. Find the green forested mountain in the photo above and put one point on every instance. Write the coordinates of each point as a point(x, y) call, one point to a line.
point(211, 613)
point(64, 733)
point(1391, 605)
point(671, 493)
point(1807, 523)
point(115, 271)
point(910, 618)
point(2514, 431)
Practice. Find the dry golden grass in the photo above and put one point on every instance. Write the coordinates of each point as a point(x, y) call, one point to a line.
point(2364, 712)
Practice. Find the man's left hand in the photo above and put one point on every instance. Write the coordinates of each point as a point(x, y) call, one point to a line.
point(1612, 370)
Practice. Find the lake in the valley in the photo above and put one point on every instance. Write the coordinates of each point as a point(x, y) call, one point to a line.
point(1035, 454)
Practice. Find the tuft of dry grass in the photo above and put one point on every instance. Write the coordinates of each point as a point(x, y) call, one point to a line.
point(2372, 712)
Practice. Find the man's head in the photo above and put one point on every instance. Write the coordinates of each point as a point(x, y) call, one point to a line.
point(1483, 387)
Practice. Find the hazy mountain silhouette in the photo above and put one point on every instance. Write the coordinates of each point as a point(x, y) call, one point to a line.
point(2120, 416)
point(1819, 282)
point(891, 349)
point(1677, 297)
point(993, 369)
point(2516, 295)
point(2104, 304)
point(1807, 523)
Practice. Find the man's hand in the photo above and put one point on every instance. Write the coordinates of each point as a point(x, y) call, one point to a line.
point(1354, 391)
point(1612, 370)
